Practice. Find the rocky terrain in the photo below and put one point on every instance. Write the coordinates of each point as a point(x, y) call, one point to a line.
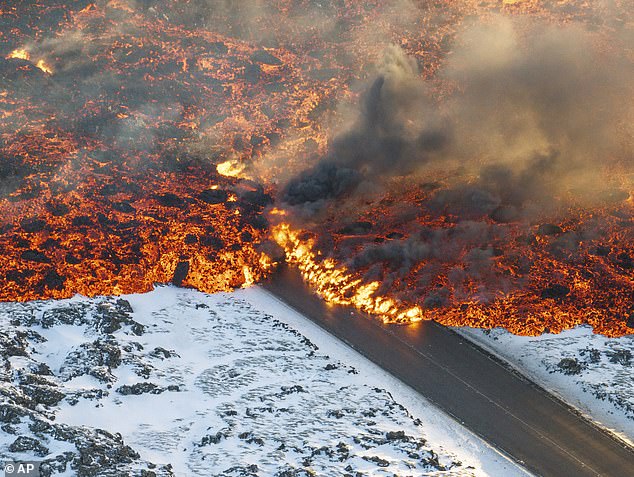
point(176, 382)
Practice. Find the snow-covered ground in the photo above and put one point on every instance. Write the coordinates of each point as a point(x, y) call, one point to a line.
point(593, 373)
point(177, 382)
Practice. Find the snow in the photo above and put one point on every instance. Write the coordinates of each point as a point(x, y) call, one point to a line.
point(592, 373)
point(235, 384)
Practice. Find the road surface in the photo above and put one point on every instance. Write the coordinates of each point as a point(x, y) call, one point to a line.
point(511, 413)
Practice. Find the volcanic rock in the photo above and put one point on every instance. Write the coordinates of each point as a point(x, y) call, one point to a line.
point(625, 261)
point(95, 358)
point(600, 251)
point(620, 356)
point(58, 209)
point(170, 200)
point(67, 315)
point(218, 48)
point(212, 241)
point(190, 239)
point(555, 291)
point(549, 229)
point(26, 444)
point(570, 366)
point(257, 198)
point(139, 388)
point(504, 214)
point(213, 196)
point(45, 395)
point(252, 73)
point(356, 228)
point(35, 256)
point(180, 273)
point(266, 58)
point(33, 226)
point(53, 280)
point(109, 317)
point(124, 206)
point(82, 221)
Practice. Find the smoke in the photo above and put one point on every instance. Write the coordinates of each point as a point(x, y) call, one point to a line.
point(393, 135)
point(538, 120)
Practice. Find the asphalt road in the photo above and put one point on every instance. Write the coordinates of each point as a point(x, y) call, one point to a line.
point(511, 413)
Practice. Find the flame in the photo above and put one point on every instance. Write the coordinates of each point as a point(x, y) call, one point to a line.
point(249, 279)
point(41, 64)
point(23, 54)
point(20, 54)
point(522, 311)
point(337, 285)
point(231, 168)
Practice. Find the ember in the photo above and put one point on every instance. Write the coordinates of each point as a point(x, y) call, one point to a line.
point(466, 162)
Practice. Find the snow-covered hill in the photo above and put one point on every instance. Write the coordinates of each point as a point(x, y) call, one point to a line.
point(176, 382)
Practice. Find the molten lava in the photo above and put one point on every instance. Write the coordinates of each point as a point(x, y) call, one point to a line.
point(337, 285)
point(146, 142)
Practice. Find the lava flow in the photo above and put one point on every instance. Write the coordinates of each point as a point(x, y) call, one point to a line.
point(467, 162)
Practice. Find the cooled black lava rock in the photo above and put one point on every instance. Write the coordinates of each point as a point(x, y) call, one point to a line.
point(257, 198)
point(111, 317)
point(625, 261)
point(71, 259)
point(356, 228)
point(209, 439)
point(180, 273)
point(53, 280)
point(11, 414)
point(34, 256)
point(124, 206)
point(58, 209)
point(217, 48)
point(252, 73)
point(397, 436)
point(549, 229)
point(96, 359)
point(264, 57)
point(214, 196)
point(600, 251)
point(212, 241)
point(555, 291)
point(162, 353)
point(170, 200)
point(33, 226)
point(505, 214)
point(82, 221)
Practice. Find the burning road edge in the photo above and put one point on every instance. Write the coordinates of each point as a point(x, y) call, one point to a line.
point(177, 382)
